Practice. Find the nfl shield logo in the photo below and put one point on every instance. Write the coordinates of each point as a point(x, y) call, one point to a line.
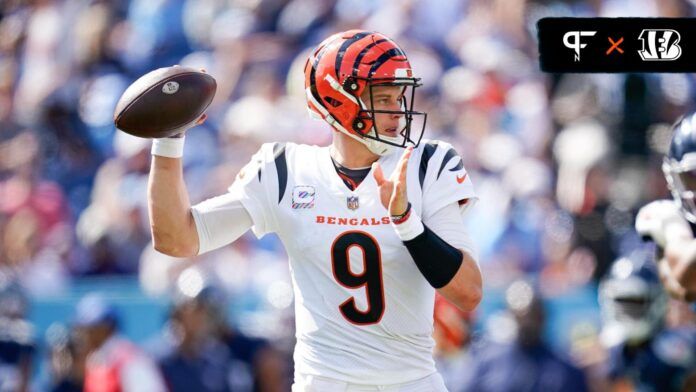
point(353, 202)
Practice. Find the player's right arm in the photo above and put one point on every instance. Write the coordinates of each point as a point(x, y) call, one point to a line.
point(182, 230)
point(171, 221)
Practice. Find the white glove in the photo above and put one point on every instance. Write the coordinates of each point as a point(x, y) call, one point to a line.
point(662, 221)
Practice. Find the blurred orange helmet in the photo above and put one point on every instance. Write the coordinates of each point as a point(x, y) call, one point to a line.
point(337, 74)
point(454, 325)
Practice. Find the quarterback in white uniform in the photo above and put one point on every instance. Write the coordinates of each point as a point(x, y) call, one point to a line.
point(367, 251)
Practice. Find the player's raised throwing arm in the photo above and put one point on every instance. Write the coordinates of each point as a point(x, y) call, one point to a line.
point(171, 222)
point(178, 229)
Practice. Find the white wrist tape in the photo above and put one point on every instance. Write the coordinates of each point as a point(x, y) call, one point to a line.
point(170, 147)
point(410, 228)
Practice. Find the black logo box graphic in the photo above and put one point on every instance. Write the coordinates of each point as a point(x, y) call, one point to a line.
point(555, 56)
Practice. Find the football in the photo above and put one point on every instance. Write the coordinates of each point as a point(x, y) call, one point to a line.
point(162, 102)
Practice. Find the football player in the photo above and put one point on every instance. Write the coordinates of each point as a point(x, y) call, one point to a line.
point(113, 363)
point(670, 223)
point(372, 223)
point(642, 354)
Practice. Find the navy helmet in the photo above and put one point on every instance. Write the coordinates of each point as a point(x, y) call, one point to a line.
point(95, 309)
point(679, 165)
point(632, 300)
point(193, 287)
point(13, 299)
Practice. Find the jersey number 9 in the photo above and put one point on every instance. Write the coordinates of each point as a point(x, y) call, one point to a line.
point(370, 277)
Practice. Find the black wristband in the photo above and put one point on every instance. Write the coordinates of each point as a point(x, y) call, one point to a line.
point(398, 219)
point(437, 260)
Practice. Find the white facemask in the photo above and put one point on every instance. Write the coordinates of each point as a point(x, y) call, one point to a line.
point(629, 332)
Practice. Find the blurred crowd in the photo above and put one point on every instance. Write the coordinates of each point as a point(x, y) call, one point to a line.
point(561, 163)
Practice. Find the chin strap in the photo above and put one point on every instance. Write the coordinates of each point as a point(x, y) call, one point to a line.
point(378, 147)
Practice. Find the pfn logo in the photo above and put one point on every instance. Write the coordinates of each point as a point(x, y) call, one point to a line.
point(659, 45)
point(575, 44)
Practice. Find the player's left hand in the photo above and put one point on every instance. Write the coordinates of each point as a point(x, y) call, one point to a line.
point(672, 287)
point(392, 191)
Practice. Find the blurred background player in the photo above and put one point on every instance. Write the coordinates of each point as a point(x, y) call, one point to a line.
point(113, 363)
point(66, 356)
point(17, 345)
point(188, 352)
point(643, 354)
point(452, 331)
point(526, 363)
point(200, 351)
point(362, 329)
point(256, 364)
point(670, 223)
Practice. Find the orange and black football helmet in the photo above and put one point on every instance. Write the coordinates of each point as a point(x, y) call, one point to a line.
point(337, 74)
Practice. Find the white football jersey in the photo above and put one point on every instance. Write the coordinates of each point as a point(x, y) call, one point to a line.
point(364, 312)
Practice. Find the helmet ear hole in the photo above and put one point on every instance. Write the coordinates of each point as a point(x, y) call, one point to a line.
point(351, 85)
point(359, 126)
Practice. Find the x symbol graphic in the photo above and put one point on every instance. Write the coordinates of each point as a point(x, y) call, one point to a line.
point(615, 45)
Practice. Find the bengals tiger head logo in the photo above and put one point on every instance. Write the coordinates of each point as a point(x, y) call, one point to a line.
point(660, 45)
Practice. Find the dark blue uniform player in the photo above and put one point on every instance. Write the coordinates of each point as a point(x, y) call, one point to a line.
point(200, 352)
point(16, 338)
point(671, 223)
point(526, 364)
point(642, 354)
